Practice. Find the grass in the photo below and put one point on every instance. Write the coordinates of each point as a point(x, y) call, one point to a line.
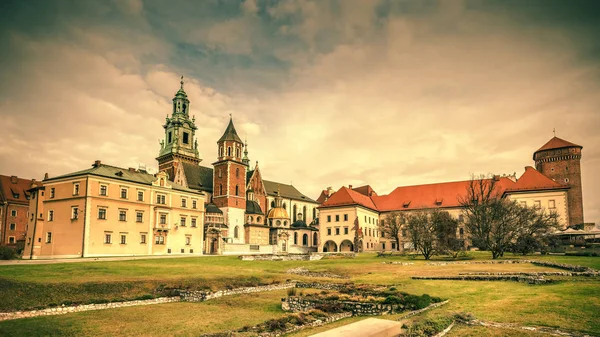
point(573, 304)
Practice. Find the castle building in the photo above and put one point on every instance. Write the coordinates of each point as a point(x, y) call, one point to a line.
point(245, 208)
point(14, 207)
point(351, 217)
point(111, 211)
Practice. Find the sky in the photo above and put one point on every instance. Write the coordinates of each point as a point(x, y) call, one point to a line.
point(328, 93)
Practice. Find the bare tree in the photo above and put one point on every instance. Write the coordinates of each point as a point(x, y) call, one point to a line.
point(421, 229)
point(445, 230)
point(391, 226)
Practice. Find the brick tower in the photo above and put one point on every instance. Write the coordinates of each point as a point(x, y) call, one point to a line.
point(179, 145)
point(560, 160)
point(229, 181)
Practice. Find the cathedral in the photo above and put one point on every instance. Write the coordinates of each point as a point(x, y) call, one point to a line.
point(244, 212)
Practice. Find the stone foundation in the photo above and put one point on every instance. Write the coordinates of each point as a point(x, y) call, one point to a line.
point(281, 257)
point(305, 272)
point(299, 304)
point(201, 296)
point(515, 278)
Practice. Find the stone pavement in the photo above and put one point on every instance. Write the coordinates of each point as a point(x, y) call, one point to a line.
point(370, 327)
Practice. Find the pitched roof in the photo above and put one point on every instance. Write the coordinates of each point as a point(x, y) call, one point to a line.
point(14, 189)
point(230, 133)
point(198, 177)
point(323, 196)
point(286, 191)
point(532, 179)
point(366, 190)
point(347, 197)
point(557, 143)
point(446, 194)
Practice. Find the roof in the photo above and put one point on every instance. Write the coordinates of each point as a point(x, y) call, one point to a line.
point(278, 213)
point(532, 179)
point(557, 143)
point(118, 173)
point(230, 133)
point(252, 207)
point(14, 189)
point(286, 191)
point(323, 196)
point(249, 174)
point(365, 190)
point(198, 177)
point(347, 197)
point(212, 208)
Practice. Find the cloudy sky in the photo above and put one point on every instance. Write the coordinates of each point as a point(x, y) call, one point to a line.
point(328, 93)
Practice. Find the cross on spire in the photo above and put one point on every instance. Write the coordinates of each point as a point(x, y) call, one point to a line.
point(554, 131)
point(181, 82)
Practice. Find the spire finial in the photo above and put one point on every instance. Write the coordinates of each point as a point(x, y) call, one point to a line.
point(181, 82)
point(554, 131)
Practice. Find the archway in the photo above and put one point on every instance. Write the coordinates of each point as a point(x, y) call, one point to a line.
point(346, 246)
point(315, 240)
point(330, 247)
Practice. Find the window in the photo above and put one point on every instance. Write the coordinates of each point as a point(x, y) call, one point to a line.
point(296, 238)
point(123, 239)
point(345, 230)
point(461, 218)
point(161, 199)
point(237, 151)
point(237, 172)
point(75, 189)
point(123, 193)
point(188, 240)
point(159, 240)
point(194, 204)
point(139, 216)
point(537, 204)
point(220, 189)
point(183, 202)
point(49, 237)
point(193, 222)
point(551, 204)
point(337, 231)
point(186, 138)
point(102, 213)
point(107, 238)
point(337, 217)
point(122, 215)
point(103, 190)
point(140, 195)
point(328, 231)
point(315, 239)
point(236, 232)
point(229, 151)
point(220, 155)
point(345, 217)
point(305, 240)
point(237, 190)
point(50, 215)
point(461, 232)
point(329, 218)
point(182, 222)
point(393, 245)
point(143, 238)
point(11, 239)
point(13, 212)
point(170, 137)
point(52, 193)
point(74, 213)
point(163, 219)
point(13, 226)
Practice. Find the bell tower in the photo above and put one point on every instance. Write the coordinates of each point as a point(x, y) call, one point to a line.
point(560, 160)
point(179, 145)
point(229, 180)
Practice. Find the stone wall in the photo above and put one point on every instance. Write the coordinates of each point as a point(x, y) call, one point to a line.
point(85, 307)
point(299, 304)
point(305, 272)
point(200, 296)
point(515, 278)
point(540, 273)
point(281, 257)
point(322, 286)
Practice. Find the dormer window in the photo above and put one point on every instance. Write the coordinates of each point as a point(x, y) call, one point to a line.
point(406, 204)
point(186, 138)
point(438, 202)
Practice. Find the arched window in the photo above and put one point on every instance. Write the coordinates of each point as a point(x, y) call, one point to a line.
point(237, 190)
point(249, 219)
point(237, 151)
point(296, 238)
point(220, 173)
point(220, 151)
point(229, 151)
point(285, 223)
point(236, 232)
point(258, 219)
point(273, 204)
point(220, 189)
point(315, 240)
point(237, 172)
point(184, 107)
point(305, 240)
point(294, 213)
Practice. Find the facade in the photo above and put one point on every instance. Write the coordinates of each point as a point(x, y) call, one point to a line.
point(238, 191)
point(111, 211)
point(14, 207)
point(353, 215)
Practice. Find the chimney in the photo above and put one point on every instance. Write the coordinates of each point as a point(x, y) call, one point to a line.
point(131, 169)
point(46, 176)
point(496, 177)
point(97, 163)
point(14, 179)
point(350, 186)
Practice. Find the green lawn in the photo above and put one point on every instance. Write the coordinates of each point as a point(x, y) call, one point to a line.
point(572, 304)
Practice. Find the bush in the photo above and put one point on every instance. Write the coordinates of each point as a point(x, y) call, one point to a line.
point(7, 253)
point(589, 254)
point(428, 327)
point(144, 297)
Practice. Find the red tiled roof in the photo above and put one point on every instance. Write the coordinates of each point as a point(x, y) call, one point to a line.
point(431, 195)
point(365, 190)
point(532, 179)
point(346, 197)
point(324, 195)
point(9, 188)
point(557, 143)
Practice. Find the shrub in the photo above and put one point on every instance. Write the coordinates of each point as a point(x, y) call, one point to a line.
point(428, 327)
point(144, 297)
point(589, 254)
point(7, 253)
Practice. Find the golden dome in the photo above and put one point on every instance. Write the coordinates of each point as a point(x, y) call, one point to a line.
point(278, 213)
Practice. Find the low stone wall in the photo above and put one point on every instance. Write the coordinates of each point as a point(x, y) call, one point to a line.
point(305, 272)
point(514, 326)
point(477, 262)
point(570, 267)
point(340, 255)
point(541, 273)
point(299, 304)
point(515, 278)
point(400, 263)
point(84, 307)
point(281, 257)
point(322, 286)
point(416, 312)
point(200, 296)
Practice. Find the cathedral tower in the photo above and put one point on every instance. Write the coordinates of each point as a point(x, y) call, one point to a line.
point(178, 146)
point(560, 160)
point(229, 181)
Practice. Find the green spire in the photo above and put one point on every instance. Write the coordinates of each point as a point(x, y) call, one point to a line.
point(246, 160)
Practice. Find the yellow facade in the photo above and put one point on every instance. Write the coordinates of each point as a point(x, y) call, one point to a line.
point(337, 228)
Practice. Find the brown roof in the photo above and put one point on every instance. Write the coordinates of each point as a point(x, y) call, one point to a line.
point(365, 190)
point(346, 197)
point(532, 179)
point(557, 143)
point(14, 189)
